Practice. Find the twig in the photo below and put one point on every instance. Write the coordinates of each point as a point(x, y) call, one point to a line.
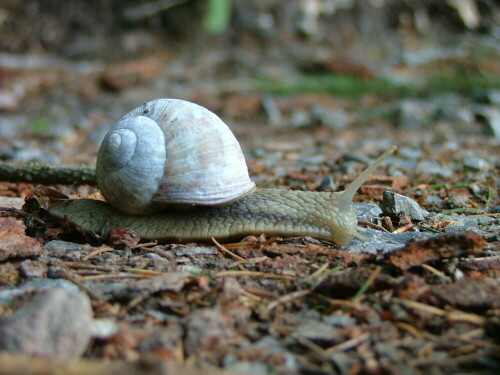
point(436, 272)
point(348, 344)
point(372, 225)
point(367, 284)
point(287, 298)
point(404, 228)
point(255, 273)
point(456, 316)
point(224, 250)
point(94, 253)
point(48, 174)
point(115, 276)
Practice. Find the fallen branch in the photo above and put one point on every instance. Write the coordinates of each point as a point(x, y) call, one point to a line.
point(45, 174)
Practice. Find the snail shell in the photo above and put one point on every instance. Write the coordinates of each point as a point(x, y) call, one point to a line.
point(170, 152)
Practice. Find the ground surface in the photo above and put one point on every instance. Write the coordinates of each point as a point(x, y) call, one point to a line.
point(419, 296)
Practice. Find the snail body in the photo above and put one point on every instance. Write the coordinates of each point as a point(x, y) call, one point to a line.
point(170, 153)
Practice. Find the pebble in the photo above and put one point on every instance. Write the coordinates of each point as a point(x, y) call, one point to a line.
point(31, 269)
point(51, 323)
point(410, 153)
point(194, 251)
point(378, 242)
point(475, 163)
point(490, 118)
point(299, 118)
point(327, 183)
point(270, 349)
point(103, 328)
point(162, 339)
point(413, 114)
point(204, 329)
point(6, 295)
point(64, 250)
point(316, 331)
point(272, 111)
point(434, 200)
point(367, 211)
point(396, 205)
point(333, 118)
point(431, 167)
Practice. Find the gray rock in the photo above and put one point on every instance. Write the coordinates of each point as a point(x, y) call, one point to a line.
point(476, 163)
point(490, 118)
point(432, 167)
point(377, 242)
point(163, 338)
point(395, 205)
point(239, 367)
point(7, 295)
point(333, 118)
point(54, 323)
point(194, 251)
point(272, 111)
point(409, 153)
point(414, 114)
point(31, 269)
point(206, 328)
point(316, 331)
point(327, 183)
point(69, 251)
point(367, 211)
point(103, 328)
point(300, 118)
point(339, 320)
point(58, 245)
point(493, 97)
point(172, 282)
point(434, 200)
point(462, 223)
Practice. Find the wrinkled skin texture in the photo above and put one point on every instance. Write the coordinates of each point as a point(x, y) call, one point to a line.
point(275, 212)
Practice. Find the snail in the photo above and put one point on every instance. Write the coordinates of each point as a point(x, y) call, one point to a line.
point(170, 154)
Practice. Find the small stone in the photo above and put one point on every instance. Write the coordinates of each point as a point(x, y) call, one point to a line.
point(195, 251)
point(31, 269)
point(431, 167)
point(103, 328)
point(367, 211)
point(300, 118)
point(316, 331)
point(409, 153)
point(434, 200)
point(206, 329)
point(490, 118)
point(65, 250)
point(52, 323)
point(413, 114)
point(163, 339)
point(493, 97)
point(58, 245)
point(171, 282)
point(376, 242)
point(475, 163)
point(333, 118)
point(396, 205)
point(339, 320)
point(272, 111)
point(327, 184)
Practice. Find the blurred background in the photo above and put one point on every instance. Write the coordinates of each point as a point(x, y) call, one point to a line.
point(311, 88)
